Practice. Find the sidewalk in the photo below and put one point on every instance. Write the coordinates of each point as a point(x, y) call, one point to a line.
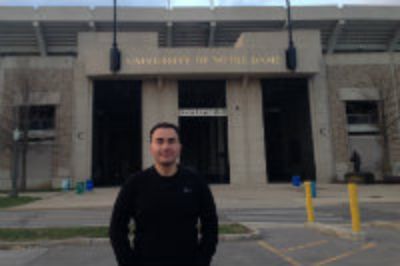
point(226, 197)
point(66, 209)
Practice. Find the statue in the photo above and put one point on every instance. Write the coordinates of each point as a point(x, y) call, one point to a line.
point(356, 160)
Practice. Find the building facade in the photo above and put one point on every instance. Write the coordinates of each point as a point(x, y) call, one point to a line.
point(218, 73)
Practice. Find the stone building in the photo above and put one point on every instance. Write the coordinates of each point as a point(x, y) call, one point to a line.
point(220, 74)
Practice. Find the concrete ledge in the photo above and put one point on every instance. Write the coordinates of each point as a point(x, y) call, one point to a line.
point(341, 231)
point(52, 243)
point(385, 224)
point(5, 245)
point(253, 235)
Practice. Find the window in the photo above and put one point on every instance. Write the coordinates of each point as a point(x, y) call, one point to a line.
point(362, 112)
point(40, 120)
point(41, 117)
point(362, 116)
point(202, 94)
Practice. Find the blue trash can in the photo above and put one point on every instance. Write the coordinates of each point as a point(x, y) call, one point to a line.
point(89, 185)
point(313, 189)
point(296, 181)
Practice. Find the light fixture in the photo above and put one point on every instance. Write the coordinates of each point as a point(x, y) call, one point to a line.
point(291, 56)
point(115, 53)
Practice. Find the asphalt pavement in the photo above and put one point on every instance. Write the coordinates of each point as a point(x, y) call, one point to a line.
point(273, 204)
point(289, 246)
point(276, 212)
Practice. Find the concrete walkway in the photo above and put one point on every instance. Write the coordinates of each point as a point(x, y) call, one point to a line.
point(257, 207)
point(226, 197)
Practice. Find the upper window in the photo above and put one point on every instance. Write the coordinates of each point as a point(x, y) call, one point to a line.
point(362, 116)
point(202, 94)
point(362, 112)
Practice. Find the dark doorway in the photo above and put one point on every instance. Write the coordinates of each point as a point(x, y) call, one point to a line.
point(203, 124)
point(288, 136)
point(205, 148)
point(117, 149)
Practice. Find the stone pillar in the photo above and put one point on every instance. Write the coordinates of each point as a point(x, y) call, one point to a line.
point(321, 127)
point(245, 132)
point(159, 103)
point(81, 124)
point(394, 107)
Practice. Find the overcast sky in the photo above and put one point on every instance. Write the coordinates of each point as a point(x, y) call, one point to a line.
point(177, 3)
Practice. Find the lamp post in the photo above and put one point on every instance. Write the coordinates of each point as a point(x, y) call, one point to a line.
point(291, 57)
point(15, 162)
point(115, 54)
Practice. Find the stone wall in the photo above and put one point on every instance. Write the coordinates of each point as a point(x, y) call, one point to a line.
point(50, 82)
point(379, 75)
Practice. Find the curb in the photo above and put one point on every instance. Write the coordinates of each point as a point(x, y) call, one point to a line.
point(385, 224)
point(52, 243)
point(254, 235)
point(338, 231)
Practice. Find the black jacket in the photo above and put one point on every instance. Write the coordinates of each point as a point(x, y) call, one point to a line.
point(165, 211)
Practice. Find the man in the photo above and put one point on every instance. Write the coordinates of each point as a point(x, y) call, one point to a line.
point(166, 201)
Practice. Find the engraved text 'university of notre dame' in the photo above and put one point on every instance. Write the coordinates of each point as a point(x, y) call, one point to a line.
point(204, 60)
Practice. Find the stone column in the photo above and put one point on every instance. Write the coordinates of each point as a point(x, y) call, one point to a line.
point(321, 126)
point(159, 103)
point(245, 132)
point(81, 124)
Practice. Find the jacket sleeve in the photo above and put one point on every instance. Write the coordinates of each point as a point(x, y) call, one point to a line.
point(118, 231)
point(208, 227)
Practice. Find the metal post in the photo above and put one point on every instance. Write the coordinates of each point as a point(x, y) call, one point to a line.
point(291, 57)
point(289, 18)
point(115, 24)
point(354, 208)
point(115, 54)
point(15, 161)
point(309, 205)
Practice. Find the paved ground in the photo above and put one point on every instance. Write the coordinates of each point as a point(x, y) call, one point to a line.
point(228, 197)
point(98, 217)
point(277, 211)
point(289, 246)
point(274, 204)
point(332, 214)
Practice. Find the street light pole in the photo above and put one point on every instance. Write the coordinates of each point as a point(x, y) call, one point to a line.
point(15, 161)
point(115, 54)
point(291, 57)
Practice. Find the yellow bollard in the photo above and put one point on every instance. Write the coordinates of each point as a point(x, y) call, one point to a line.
point(309, 205)
point(354, 208)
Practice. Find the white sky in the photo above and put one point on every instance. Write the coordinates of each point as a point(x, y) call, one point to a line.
point(177, 3)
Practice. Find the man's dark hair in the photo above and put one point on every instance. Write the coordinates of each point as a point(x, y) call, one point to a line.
point(164, 125)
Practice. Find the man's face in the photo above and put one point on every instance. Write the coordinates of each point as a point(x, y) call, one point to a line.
point(165, 146)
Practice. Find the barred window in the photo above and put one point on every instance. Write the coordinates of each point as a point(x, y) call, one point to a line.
point(362, 117)
point(362, 112)
point(41, 117)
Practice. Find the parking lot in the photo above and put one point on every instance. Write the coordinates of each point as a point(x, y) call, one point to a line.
point(277, 213)
point(285, 246)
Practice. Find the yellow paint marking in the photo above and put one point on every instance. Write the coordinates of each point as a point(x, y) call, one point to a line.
point(345, 255)
point(304, 246)
point(272, 249)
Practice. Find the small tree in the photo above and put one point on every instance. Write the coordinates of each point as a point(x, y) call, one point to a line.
point(16, 118)
point(386, 82)
point(24, 91)
point(9, 118)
